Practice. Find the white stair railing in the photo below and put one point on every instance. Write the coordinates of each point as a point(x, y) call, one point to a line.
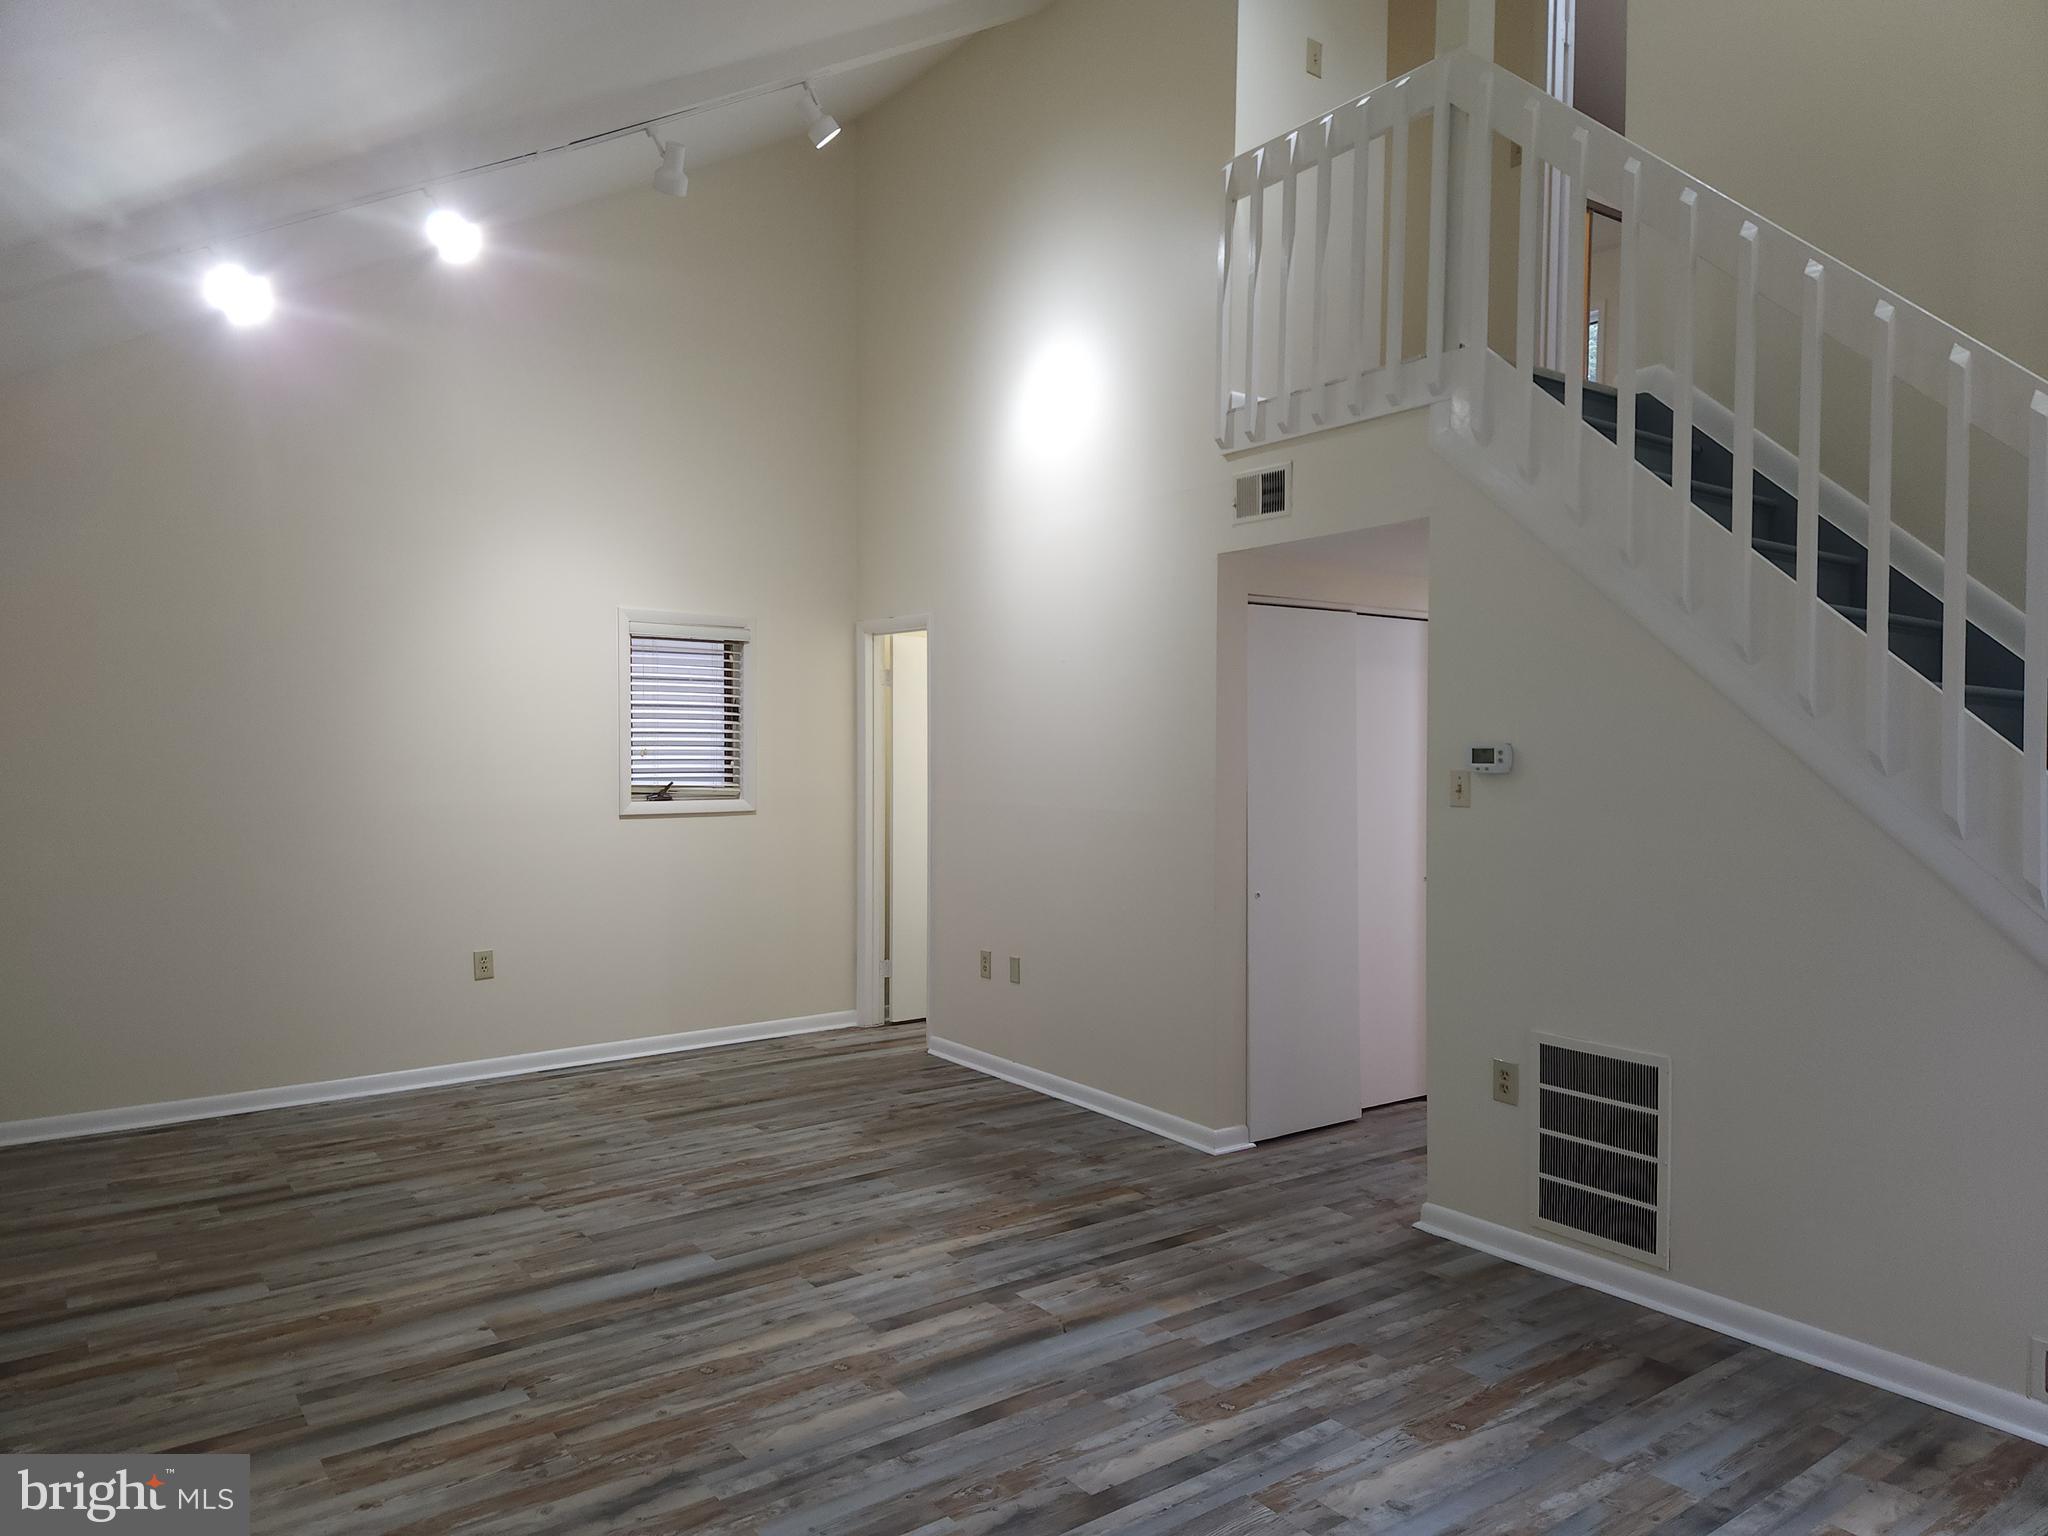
point(1293, 361)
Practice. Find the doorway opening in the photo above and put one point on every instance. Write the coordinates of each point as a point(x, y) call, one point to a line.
point(1333, 636)
point(893, 855)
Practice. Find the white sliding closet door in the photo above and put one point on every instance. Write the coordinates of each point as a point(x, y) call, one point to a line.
point(1302, 866)
point(1392, 714)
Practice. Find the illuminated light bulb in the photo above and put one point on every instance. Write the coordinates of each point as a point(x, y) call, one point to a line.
point(456, 238)
point(239, 294)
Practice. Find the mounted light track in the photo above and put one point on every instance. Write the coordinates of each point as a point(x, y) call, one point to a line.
point(824, 126)
point(671, 177)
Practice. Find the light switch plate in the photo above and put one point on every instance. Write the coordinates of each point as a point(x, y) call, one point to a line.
point(1507, 1082)
point(1016, 969)
point(1461, 788)
point(1315, 58)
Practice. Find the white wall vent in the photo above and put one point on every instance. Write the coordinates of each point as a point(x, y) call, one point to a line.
point(1601, 1170)
point(1263, 493)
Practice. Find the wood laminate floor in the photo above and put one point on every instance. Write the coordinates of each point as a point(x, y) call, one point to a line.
point(835, 1285)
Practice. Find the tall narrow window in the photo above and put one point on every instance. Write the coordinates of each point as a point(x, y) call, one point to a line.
point(686, 715)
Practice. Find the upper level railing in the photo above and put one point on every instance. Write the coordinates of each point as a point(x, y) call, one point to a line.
point(1711, 305)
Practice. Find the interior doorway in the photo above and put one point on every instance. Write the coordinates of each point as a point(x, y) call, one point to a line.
point(1334, 641)
point(893, 966)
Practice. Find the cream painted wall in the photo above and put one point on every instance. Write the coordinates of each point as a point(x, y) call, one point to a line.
point(1037, 257)
point(1275, 91)
point(1851, 1044)
point(308, 656)
point(1906, 139)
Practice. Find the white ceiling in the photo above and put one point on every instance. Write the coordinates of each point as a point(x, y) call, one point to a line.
point(134, 132)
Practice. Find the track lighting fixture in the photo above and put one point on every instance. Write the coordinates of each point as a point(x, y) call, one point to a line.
point(238, 293)
point(456, 238)
point(671, 177)
point(824, 126)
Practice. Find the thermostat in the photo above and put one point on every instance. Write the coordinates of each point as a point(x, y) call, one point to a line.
point(1494, 757)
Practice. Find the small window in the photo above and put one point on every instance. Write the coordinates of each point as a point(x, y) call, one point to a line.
point(1593, 346)
point(686, 715)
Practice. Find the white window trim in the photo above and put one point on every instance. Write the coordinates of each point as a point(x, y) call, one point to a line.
point(690, 626)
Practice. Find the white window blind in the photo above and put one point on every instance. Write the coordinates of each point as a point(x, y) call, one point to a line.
point(685, 700)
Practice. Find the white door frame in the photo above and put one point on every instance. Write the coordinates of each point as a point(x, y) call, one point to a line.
point(868, 904)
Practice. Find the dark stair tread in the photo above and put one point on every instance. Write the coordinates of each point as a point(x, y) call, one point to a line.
point(1898, 620)
point(1791, 551)
point(1995, 704)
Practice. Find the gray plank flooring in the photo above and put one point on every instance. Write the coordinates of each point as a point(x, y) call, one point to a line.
point(835, 1285)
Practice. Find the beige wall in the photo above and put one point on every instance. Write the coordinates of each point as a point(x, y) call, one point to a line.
point(1275, 91)
point(1906, 139)
point(308, 657)
point(1851, 1045)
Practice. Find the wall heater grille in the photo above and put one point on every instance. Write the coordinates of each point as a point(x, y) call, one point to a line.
point(1602, 1163)
point(1263, 493)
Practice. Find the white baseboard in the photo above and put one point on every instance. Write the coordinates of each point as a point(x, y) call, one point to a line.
point(135, 1117)
point(2000, 1408)
point(1203, 1138)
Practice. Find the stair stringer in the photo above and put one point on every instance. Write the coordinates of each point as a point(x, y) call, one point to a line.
point(1981, 863)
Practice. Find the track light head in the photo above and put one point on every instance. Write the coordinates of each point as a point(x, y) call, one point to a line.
point(238, 293)
point(824, 127)
point(456, 238)
point(671, 177)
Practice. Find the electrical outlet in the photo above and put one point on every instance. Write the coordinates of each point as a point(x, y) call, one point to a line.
point(1016, 970)
point(1507, 1082)
point(2037, 1370)
point(1315, 58)
point(988, 965)
point(1461, 788)
point(483, 964)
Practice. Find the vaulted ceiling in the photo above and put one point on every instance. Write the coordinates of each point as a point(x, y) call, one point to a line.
point(134, 133)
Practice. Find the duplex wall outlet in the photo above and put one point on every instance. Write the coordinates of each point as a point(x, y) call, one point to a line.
point(2037, 1370)
point(1016, 970)
point(1461, 788)
point(1315, 58)
point(1507, 1082)
point(483, 965)
point(988, 965)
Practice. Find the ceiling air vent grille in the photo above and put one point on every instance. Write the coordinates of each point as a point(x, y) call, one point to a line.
point(1602, 1164)
point(1263, 493)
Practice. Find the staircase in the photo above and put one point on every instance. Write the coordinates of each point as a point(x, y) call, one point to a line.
point(1910, 685)
point(1993, 675)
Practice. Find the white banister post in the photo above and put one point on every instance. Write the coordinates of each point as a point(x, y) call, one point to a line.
point(1289, 196)
point(1254, 417)
point(1877, 601)
point(2034, 730)
point(1476, 244)
point(1742, 493)
point(1439, 226)
point(1682, 403)
point(1365, 265)
point(1955, 595)
point(1319, 312)
point(1224, 248)
point(1525, 280)
point(1397, 243)
point(1575, 324)
point(1806, 557)
point(1625, 354)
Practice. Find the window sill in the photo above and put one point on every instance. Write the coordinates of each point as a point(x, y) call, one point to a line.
point(686, 808)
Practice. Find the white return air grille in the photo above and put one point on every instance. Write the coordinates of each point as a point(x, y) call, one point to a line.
point(1263, 493)
point(1603, 1156)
